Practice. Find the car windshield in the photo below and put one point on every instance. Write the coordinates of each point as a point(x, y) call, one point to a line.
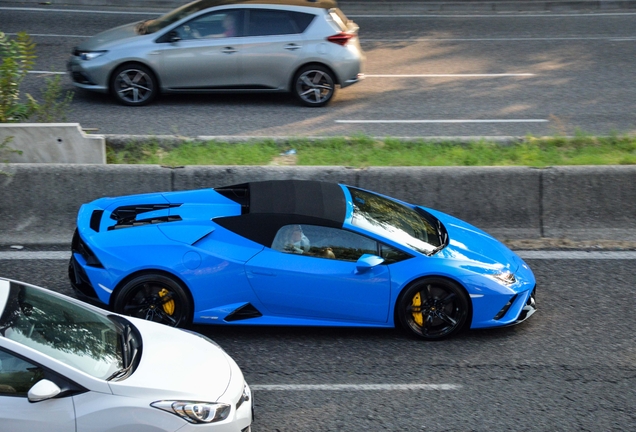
point(68, 332)
point(154, 25)
point(395, 221)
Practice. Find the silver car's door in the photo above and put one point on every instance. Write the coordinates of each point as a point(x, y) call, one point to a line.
point(274, 47)
point(207, 54)
point(17, 414)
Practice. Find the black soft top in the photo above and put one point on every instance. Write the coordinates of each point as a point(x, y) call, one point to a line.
point(266, 206)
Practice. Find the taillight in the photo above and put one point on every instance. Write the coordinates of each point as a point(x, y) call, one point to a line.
point(341, 38)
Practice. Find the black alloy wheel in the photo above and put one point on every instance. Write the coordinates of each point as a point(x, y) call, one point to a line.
point(433, 308)
point(314, 86)
point(134, 85)
point(155, 297)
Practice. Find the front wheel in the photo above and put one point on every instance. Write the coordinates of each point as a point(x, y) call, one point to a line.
point(314, 86)
point(134, 85)
point(433, 308)
point(155, 297)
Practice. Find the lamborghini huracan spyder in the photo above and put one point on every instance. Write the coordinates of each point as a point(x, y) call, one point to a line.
point(294, 252)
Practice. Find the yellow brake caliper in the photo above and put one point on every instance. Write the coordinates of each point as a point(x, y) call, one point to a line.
point(168, 307)
point(417, 309)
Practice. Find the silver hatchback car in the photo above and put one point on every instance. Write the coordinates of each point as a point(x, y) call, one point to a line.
point(306, 47)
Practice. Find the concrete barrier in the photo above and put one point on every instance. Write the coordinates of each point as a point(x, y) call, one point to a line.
point(52, 143)
point(39, 202)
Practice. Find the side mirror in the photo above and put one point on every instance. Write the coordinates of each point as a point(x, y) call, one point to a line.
point(367, 261)
point(43, 390)
point(173, 36)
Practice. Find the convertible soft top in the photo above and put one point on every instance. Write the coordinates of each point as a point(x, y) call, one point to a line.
point(268, 205)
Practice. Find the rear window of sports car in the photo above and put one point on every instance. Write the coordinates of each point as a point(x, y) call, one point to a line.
point(395, 221)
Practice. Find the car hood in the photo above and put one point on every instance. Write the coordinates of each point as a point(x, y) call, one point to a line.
point(468, 243)
point(110, 37)
point(176, 364)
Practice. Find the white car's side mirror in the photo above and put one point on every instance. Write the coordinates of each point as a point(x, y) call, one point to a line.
point(43, 390)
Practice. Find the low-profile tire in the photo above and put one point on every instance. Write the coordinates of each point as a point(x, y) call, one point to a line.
point(314, 85)
point(155, 297)
point(433, 308)
point(134, 85)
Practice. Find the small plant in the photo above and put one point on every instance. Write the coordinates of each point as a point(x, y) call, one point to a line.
point(5, 150)
point(17, 58)
point(53, 107)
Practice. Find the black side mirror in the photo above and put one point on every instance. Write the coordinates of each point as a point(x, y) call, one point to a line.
point(173, 36)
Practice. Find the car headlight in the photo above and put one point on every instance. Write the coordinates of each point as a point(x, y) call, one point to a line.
point(195, 412)
point(505, 277)
point(90, 55)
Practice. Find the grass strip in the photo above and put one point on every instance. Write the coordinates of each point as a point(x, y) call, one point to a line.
point(361, 151)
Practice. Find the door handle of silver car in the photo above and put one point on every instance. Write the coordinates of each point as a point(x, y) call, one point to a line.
point(292, 47)
point(229, 50)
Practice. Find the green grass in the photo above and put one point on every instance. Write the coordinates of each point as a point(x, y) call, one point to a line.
point(363, 152)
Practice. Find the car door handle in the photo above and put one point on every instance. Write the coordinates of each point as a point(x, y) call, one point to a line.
point(292, 47)
point(262, 272)
point(228, 50)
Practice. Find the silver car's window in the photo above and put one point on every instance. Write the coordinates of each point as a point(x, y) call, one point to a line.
point(393, 220)
point(17, 376)
point(172, 17)
point(268, 22)
point(224, 24)
point(65, 331)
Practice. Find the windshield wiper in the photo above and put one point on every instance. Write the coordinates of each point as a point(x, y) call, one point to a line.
point(130, 350)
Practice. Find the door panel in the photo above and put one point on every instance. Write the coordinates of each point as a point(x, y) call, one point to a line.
point(208, 54)
point(17, 414)
point(297, 285)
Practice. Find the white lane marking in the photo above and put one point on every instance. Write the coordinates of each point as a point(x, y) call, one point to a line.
point(31, 9)
point(354, 387)
point(47, 72)
point(431, 15)
point(506, 39)
point(392, 75)
point(577, 255)
point(447, 121)
point(448, 75)
point(42, 255)
point(50, 35)
point(525, 254)
point(499, 15)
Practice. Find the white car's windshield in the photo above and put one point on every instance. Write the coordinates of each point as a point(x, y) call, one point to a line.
point(68, 332)
point(392, 220)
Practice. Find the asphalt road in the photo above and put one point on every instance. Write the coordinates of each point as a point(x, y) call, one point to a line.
point(538, 73)
point(571, 367)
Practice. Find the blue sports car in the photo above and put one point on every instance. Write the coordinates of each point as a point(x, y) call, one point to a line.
point(295, 252)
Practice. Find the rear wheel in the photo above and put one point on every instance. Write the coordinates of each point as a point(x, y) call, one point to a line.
point(433, 308)
point(314, 86)
point(134, 85)
point(155, 297)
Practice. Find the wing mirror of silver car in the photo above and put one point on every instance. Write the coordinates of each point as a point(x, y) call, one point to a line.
point(173, 36)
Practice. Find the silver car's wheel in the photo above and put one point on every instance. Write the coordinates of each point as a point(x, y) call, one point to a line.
point(134, 85)
point(314, 86)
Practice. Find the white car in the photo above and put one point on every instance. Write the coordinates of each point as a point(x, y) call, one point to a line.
point(69, 366)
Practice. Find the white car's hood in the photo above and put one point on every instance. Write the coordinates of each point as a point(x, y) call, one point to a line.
point(176, 364)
